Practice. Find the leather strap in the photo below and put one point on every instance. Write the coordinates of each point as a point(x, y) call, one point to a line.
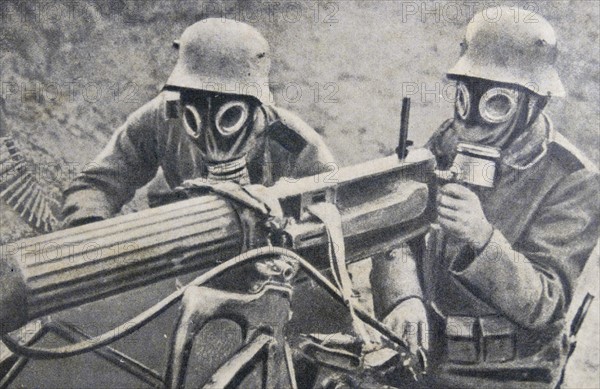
point(330, 216)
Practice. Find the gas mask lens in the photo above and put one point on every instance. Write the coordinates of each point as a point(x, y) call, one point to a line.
point(498, 105)
point(463, 101)
point(231, 117)
point(192, 122)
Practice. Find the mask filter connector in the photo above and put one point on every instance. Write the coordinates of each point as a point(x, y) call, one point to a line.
point(235, 170)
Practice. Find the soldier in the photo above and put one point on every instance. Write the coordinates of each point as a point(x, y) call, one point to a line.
point(494, 287)
point(213, 119)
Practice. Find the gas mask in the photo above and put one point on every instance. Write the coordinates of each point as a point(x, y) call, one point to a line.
point(492, 122)
point(493, 114)
point(222, 126)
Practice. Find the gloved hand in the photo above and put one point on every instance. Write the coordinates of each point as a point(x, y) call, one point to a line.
point(461, 215)
point(409, 321)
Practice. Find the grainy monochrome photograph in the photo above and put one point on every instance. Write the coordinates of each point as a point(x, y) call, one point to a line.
point(299, 194)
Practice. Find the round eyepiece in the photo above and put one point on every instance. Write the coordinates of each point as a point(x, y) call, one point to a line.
point(498, 105)
point(463, 101)
point(192, 122)
point(232, 117)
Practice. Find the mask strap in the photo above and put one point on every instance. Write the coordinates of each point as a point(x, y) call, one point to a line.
point(535, 106)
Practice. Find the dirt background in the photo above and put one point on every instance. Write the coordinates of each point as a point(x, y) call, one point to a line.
point(72, 71)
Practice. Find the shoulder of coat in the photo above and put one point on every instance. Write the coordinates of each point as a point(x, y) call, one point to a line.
point(568, 155)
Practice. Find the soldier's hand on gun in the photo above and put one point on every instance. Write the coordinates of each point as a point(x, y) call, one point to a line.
point(409, 321)
point(461, 215)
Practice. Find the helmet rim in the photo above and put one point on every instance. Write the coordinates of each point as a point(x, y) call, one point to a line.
point(544, 82)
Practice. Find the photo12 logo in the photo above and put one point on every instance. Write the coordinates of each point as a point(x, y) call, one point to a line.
point(42, 14)
point(442, 91)
point(459, 11)
point(70, 91)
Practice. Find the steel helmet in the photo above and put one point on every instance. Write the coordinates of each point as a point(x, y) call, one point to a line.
point(511, 45)
point(224, 56)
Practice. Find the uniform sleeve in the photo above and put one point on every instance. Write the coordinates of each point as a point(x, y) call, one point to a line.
point(442, 144)
point(394, 278)
point(127, 162)
point(532, 282)
point(395, 274)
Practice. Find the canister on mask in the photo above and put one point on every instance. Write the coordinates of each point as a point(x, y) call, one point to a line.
point(474, 165)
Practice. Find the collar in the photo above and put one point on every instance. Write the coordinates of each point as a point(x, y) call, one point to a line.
point(531, 146)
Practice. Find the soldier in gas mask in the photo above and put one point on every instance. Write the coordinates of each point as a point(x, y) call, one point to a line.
point(212, 120)
point(488, 295)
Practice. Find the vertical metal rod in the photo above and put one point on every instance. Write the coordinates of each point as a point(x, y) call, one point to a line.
point(404, 115)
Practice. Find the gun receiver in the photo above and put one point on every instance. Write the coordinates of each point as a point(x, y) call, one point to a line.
point(383, 202)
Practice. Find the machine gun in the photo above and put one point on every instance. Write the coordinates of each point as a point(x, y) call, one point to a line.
point(382, 203)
